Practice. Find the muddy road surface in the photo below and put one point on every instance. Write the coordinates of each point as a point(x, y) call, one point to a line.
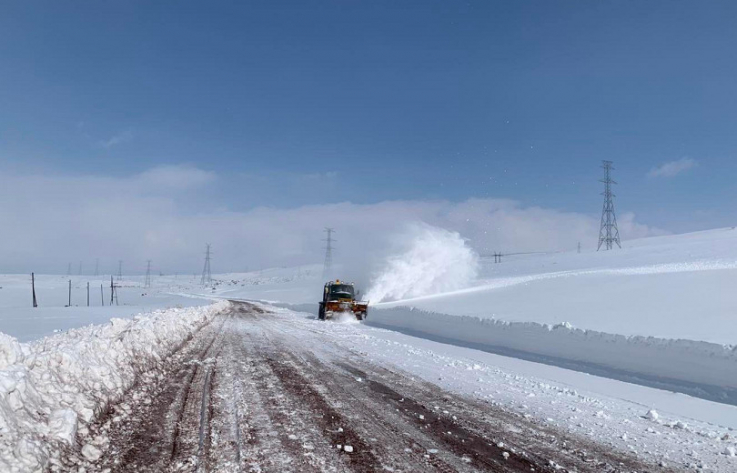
point(254, 392)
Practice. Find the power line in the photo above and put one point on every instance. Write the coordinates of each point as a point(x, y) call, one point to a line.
point(206, 273)
point(608, 231)
point(148, 274)
point(327, 268)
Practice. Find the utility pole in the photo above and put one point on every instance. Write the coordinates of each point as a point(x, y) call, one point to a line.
point(97, 267)
point(33, 288)
point(120, 270)
point(70, 293)
point(102, 296)
point(148, 274)
point(113, 292)
point(88, 294)
point(608, 231)
point(327, 268)
point(206, 273)
point(579, 247)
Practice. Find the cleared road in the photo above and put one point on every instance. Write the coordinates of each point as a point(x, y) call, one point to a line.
point(253, 392)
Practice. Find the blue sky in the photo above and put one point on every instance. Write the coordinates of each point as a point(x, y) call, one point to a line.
point(296, 103)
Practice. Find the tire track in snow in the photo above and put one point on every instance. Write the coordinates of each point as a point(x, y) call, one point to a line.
point(278, 398)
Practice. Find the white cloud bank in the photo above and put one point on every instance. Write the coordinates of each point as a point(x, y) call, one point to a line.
point(50, 221)
point(673, 168)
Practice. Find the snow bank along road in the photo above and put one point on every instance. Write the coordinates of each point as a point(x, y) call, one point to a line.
point(258, 389)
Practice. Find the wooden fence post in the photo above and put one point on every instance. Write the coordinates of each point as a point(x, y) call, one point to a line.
point(33, 287)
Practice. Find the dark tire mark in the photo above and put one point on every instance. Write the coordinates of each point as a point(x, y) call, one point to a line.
point(334, 425)
point(445, 430)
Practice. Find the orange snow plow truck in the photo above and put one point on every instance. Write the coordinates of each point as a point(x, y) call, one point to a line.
point(340, 297)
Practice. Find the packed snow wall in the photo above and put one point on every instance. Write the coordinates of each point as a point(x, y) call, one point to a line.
point(54, 387)
point(702, 369)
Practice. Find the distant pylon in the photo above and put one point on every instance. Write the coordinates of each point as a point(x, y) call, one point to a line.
point(206, 273)
point(608, 231)
point(327, 268)
point(120, 270)
point(148, 274)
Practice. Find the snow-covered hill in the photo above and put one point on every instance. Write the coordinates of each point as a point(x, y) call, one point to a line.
point(675, 287)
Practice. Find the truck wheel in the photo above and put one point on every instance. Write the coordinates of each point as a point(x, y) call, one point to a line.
point(321, 313)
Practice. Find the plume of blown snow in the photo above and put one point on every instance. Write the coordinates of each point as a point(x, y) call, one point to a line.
point(432, 260)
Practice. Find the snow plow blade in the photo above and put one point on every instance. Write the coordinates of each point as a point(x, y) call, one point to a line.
point(330, 309)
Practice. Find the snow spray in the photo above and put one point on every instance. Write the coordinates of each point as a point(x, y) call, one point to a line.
point(433, 260)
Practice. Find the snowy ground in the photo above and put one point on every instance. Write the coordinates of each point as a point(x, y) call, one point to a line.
point(667, 322)
point(267, 389)
point(19, 319)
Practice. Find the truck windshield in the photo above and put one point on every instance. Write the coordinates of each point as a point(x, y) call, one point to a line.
point(342, 291)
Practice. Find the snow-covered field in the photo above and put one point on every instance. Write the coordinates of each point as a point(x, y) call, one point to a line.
point(21, 320)
point(675, 287)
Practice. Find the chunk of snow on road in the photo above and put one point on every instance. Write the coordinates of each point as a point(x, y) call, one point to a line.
point(91, 452)
point(348, 448)
point(63, 424)
point(652, 415)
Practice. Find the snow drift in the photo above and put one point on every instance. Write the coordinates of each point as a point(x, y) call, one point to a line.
point(435, 260)
point(53, 387)
point(703, 369)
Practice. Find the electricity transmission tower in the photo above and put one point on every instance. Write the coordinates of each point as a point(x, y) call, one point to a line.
point(206, 273)
point(120, 270)
point(328, 253)
point(148, 274)
point(608, 231)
